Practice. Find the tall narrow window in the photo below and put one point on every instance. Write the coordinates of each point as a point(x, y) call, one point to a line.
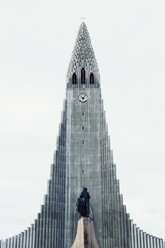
point(83, 76)
point(91, 78)
point(83, 157)
point(74, 78)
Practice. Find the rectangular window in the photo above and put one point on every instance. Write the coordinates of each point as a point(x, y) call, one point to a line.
point(83, 142)
point(83, 173)
point(83, 114)
point(83, 128)
point(83, 157)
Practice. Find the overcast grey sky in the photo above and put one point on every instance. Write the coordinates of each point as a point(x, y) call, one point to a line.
point(36, 41)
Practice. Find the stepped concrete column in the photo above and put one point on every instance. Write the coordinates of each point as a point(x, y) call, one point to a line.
point(85, 237)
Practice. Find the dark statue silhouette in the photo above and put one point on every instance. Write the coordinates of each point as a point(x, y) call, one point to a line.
point(82, 204)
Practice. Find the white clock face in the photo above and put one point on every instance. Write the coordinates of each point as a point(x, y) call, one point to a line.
point(83, 98)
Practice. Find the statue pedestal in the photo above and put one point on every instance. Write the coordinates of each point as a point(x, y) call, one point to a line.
point(85, 237)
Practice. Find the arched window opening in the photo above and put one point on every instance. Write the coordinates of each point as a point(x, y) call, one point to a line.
point(74, 78)
point(83, 76)
point(91, 78)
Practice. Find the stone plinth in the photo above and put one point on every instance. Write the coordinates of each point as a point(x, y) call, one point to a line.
point(85, 237)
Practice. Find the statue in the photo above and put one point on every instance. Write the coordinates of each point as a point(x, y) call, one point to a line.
point(82, 204)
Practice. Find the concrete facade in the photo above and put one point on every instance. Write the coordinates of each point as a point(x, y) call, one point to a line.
point(83, 158)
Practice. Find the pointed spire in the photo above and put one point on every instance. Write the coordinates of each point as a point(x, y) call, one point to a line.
point(83, 54)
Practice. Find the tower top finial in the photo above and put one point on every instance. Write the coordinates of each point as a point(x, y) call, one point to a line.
point(83, 18)
point(83, 54)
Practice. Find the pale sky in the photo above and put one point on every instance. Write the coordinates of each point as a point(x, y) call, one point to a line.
point(36, 41)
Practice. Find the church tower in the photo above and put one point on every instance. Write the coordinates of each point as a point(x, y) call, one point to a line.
point(84, 133)
point(83, 158)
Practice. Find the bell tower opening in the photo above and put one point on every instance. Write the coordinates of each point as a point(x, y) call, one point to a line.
point(83, 76)
point(74, 78)
point(91, 78)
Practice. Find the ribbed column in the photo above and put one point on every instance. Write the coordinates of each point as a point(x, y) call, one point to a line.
point(32, 236)
point(118, 231)
point(141, 239)
point(125, 226)
point(46, 221)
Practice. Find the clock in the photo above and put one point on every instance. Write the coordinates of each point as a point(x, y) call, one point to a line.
point(83, 98)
